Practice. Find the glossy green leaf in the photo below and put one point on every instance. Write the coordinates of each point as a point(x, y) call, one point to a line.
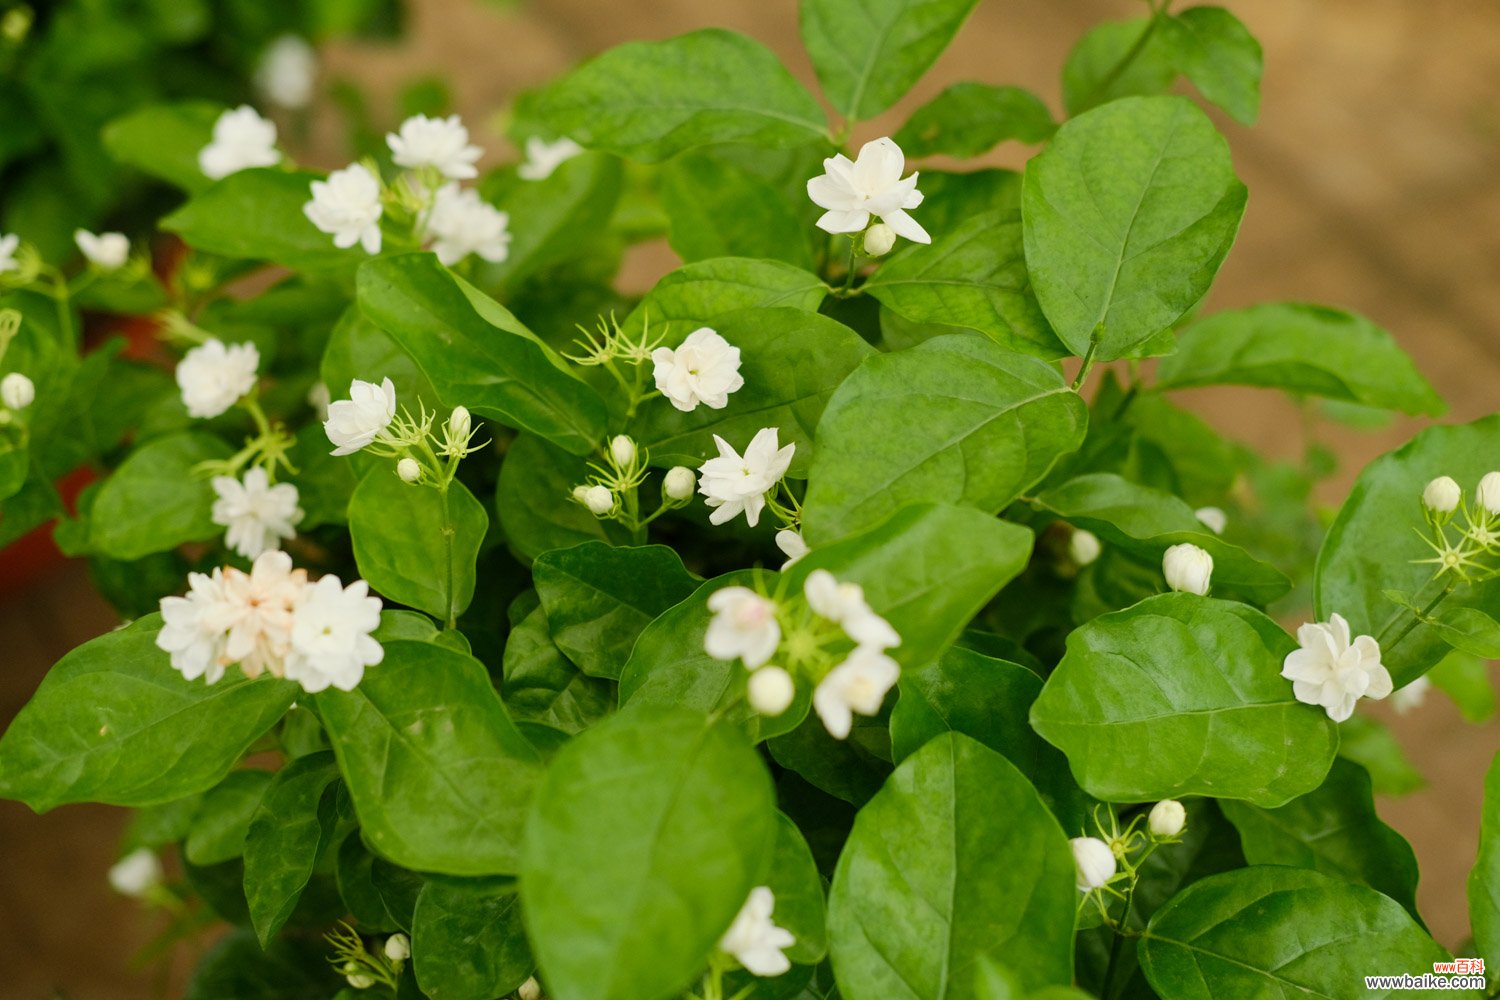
point(716, 208)
point(553, 219)
point(440, 777)
point(647, 834)
point(285, 839)
point(218, 830)
point(533, 500)
point(1212, 48)
point(290, 969)
point(468, 941)
point(358, 349)
point(1484, 879)
point(929, 884)
point(155, 501)
point(543, 685)
point(164, 140)
point(698, 294)
point(257, 214)
point(1097, 69)
point(1128, 214)
point(968, 119)
point(1468, 630)
point(800, 906)
point(1182, 695)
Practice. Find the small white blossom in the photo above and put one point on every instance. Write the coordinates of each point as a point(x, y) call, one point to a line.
point(871, 184)
point(845, 604)
point(355, 422)
point(193, 628)
point(347, 207)
point(241, 139)
point(1442, 495)
point(257, 514)
point(408, 470)
point(441, 143)
point(17, 391)
point(1084, 547)
point(1488, 493)
point(755, 940)
point(287, 71)
point(258, 611)
point(1188, 568)
point(679, 482)
point(1332, 671)
point(1212, 518)
point(462, 223)
point(622, 450)
point(9, 244)
point(330, 638)
point(771, 690)
point(1094, 862)
point(1167, 819)
point(879, 239)
point(398, 947)
point(214, 377)
point(704, 369)
point(859, 684)
point(1411, 695)
point(598, 499)
point(733, 484)
point(106, 251)
point(543, 157)
point(136, 874)
point(792, 545)
point(744, 625)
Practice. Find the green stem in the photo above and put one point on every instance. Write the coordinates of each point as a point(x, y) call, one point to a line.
point(1130, 56)
point(1088, 362)
point(1417, 618)
point(1115, 945)
point(848, 277)
point(448, 532)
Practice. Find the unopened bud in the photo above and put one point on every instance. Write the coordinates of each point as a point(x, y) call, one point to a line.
point(1084, 547)
point(771, 690)
point(136, 874)
point(598, 499)
point(459, 424)
point(408, 470)
point(1167, 819)
point(17, 391)
point(622, 450)
point(1094, 862)
point(398, 947)
point(1188, 569)
point(1488, 493)
point(879, 239)
point(679, 483)
point(1442, 495)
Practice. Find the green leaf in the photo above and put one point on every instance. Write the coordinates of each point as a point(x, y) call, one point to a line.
point(1128, 214)
point(257, 215)
point(288, 970)
point(1182, 695)
point(716, 208)
point(477, 354)
point(439, 775)
point(647, 100)
point(974, 277)
point(533, 500)
point(1373, 747)
point(645, 838)
point(791, 360)
point(968, 119)
point(1212, 48)
point(1333, 829)
point(113, 722)
point(155, 500)
point(164, 141)
point(1465, 678)
point(553, 219)
point(468, 941)
point(285, 839)
point(1484, 879)
point(1118, 59)
point(324, 483)
point(358, 349)
point(929, 883)
point(800, 907)
point(868, 55)
point(543, 685)
point(1273, 931)
point(1303, 349)
point(698, 294)
point(417, 545)
point(993, 422)
point(1468, 630)
point(218, 831)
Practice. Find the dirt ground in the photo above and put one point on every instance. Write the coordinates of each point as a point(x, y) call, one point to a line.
point(1373, 187)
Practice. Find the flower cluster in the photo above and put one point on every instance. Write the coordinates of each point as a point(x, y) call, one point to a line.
point(369, 420)
point(363, 969)
point(1102, 862)
point(272, 620)
point(611, 491)
point(1463, 536)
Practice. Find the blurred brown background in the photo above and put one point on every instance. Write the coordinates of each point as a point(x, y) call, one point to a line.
point(1373, 187)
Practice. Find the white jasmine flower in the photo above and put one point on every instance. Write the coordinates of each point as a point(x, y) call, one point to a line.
point(869, 185)
point(744, 625)
point(462, 223)
point(1442, 495)
point(879, 239)
point(1188, 569)
point(1084, 547)
point(398, 947)
point(845, 604)
point(1411, 695)
point(543, 157)
point(9, 244)
point(792, 545)
point(355, 422)
point(193, 628)
point(598, 499)
point(347, 207)
point(257, 514)
point(1212, 518)
point(679, 482)
point(1167, 819)
point(733, 484)
point(859, 684)
point(330, 639)
point(242, 139)
point(17, 391)
point(136, 874)
point(408, 470)
point(214, 377)
point(771, 690)
point(1332, 671)
point(441, 143)
point(287, 71)
point(258, 611)
point(704, 369)
point(1488, 493)
point(106, 251)
point(1094, 861)
point(622, 450)
point(754, 940)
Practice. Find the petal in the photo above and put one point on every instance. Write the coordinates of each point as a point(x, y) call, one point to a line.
point(878, 166)
point(1380, 684)
point(905, 225)
point(843, 222)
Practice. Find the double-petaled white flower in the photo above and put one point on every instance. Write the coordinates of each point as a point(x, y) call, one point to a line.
point(440, 143)
point(754, 939)
point(287, 71)
point(733, 483)
point(1094, 863)
point(1333, 671)
point(16, 391)
point(1188, 569)
point(870, 185)
point(355, 422)
point(258, 610)
point(106, 251)
point(461, 223)
point(258, 515)
point(9, 244)
point(347, 207)
point(241, 139)
point(845, 604)
point(705, 369)
point(193, 628)
point(859, 684)
point(213, 376)
point(543, 157)
point(744, 626)
point(330, 636)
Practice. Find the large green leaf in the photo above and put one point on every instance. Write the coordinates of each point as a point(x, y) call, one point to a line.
point(257, 215)
point(647, 834)
point(237, 966)
point(113, 722)
point(1268, 931)
point(648, 100)
point(156, 500)
point(1182, 695)
point(1484, 879)
point(358, 349)
point(554, 218)
point(992, 423)
point(798, 888)
point(868, 54)
point(967, 119)
point(440, 777)
point(1128, 214)
point(1302, 349)
point(163, 140)
point(1097, 69)
point(930, 883)
point(716, 208)
point(285, 840)
point(218, 831)
point(468, 941)
point(1212, 48)
point(698, 294)
point(543, 685)
point(477, 354)
point(533, 500)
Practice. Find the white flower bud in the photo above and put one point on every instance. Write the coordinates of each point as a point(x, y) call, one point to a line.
point(360, 981)
point(460, 424)
point(1488, 493)
point(1442, 495)
point(1094, 861)
point(1084, 547)
point(622, 450)
point(408, 470)
point(771, 690)
point(398, 947)
point(530, 990)
point(879, 239)
point(1212, 518)
point(599, 500)
point(680, 483)
point(136, 874)
point(17, 391)
point(1188, 569)
point(1167, 819)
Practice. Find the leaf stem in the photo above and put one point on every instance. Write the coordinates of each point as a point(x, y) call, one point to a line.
point(1417, 618)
